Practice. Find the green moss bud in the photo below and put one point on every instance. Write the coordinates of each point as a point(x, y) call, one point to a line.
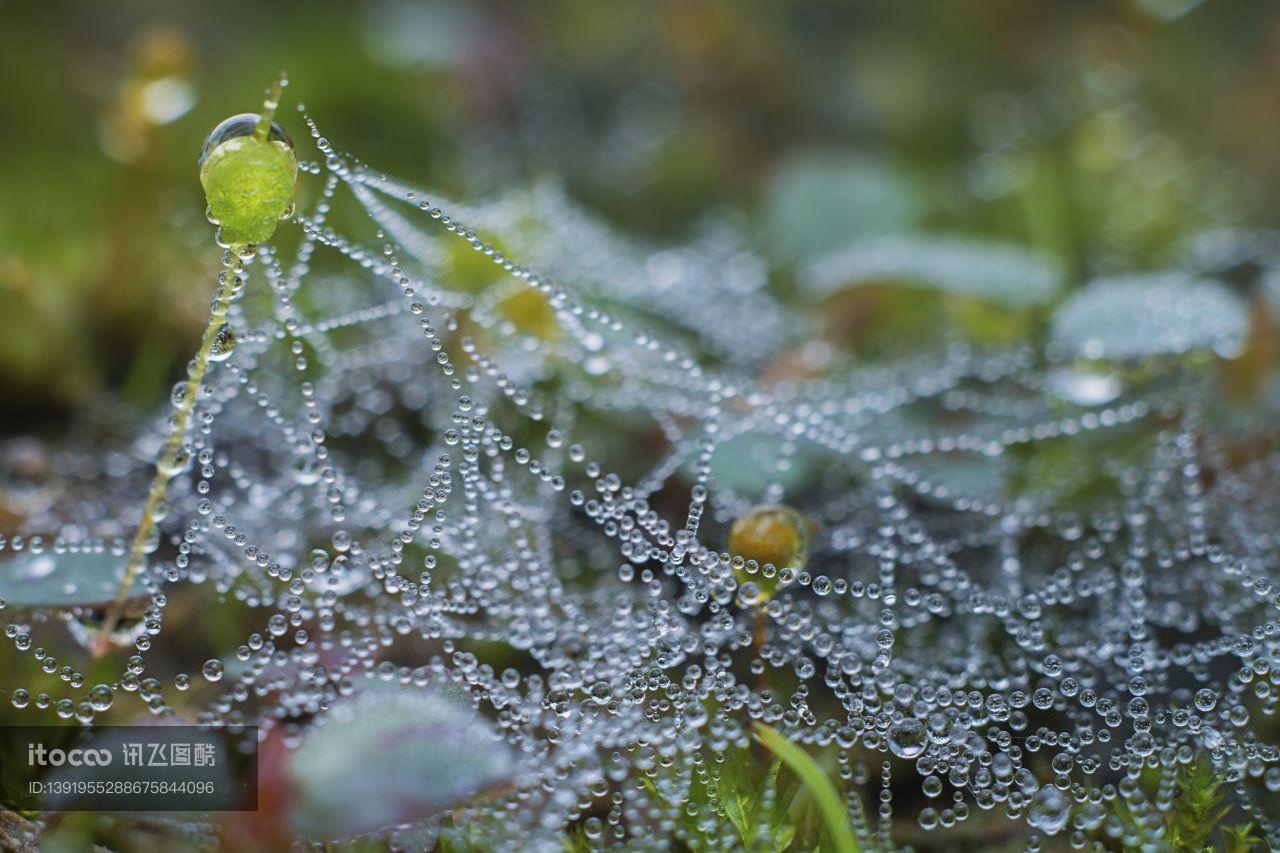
point(248, 169)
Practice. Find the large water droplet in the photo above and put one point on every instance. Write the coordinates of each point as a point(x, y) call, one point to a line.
point(236, 127)
point(1049, 811)
point(224, 343)
point(212, 670)
point(907, 739)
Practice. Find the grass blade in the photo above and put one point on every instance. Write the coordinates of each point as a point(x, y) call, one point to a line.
point(830, 803)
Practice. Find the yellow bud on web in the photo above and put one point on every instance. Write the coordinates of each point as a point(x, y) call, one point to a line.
point(772, 535)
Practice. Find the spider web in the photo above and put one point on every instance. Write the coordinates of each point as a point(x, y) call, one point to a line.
point(434, 457)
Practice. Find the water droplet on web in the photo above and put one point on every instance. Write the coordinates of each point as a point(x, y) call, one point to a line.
point(212, 670)
point(86, 626)
point(101, 697)
point(907, 738)
point(174, 462)
point(224, 343)
point(305, 469)
point(1084, 388)
point(768, 538)
point(1050, 810)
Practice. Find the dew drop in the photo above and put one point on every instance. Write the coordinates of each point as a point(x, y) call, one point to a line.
point(224, 343)
point(212, 670)
point(907, 739)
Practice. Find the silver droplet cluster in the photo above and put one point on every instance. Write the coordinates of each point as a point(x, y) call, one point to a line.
point(425, 457)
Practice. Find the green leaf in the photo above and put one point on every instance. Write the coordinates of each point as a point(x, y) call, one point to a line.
point(576, 841)
point(48, 579)
point(1239, 838)
point(737, 795)
point(747, 463)
point(781, 826)
point(1134, 317)
point(402, 754)
point(830, 803)
point(1197, 810)
point(961, 475)
point(783, 836)
point(1004, 274)
point(820, 200)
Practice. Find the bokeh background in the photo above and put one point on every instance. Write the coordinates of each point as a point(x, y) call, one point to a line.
point(1099, 131)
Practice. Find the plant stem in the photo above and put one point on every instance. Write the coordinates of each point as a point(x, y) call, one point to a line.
point(262, 130)
point(166, 463)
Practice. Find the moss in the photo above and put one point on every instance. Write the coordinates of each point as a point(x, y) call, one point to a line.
point(249, 185)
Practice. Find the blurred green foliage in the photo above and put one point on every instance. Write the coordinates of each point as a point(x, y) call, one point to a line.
point(818, 120)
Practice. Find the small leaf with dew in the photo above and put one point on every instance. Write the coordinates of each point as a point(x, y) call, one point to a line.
point(1130, 318)
point(52, 580)
point(403, 754)
point(993, 272)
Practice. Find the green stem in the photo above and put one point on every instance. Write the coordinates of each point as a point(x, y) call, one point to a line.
point(262, 130)
point(166, 463)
